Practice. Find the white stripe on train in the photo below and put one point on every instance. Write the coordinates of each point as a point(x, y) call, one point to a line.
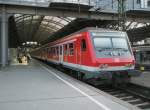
point(92, 69)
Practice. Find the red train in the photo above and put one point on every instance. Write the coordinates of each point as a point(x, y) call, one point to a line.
point(93, 52)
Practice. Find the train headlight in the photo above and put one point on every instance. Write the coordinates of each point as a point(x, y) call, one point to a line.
point(103, 66)
point(129, 65)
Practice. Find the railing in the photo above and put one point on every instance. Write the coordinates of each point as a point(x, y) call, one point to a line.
point(98, 4)
point(42, 3)
point(46, 2)
point(84, 2)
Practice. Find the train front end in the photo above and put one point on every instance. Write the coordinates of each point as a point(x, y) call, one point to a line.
point(113, 55)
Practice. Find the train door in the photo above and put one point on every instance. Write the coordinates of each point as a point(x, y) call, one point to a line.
point(84, 57)
point(78, 52)
point(61, 53)
point(47, 49)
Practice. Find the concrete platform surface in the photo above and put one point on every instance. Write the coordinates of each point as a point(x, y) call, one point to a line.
point(143, 80)
point(40, 87)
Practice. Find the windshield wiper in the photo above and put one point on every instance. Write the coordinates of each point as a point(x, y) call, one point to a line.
point(124, 49)
point(103, 49)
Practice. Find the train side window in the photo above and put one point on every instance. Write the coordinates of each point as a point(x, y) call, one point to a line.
point(83, 45)
point(138, 1)
point(47, 50)
point(50, 51)
point(148, 3)
point(71, 49)
point(57, 51)
point(60, 48)
point(53, 51)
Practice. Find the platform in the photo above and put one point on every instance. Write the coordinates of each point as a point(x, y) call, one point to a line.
point(39, 87)
point(143, 80)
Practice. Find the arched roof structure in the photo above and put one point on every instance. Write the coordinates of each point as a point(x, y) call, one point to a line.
point(38, 28)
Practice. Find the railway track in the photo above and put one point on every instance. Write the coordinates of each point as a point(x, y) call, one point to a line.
point(136, 95)
point(132, 94)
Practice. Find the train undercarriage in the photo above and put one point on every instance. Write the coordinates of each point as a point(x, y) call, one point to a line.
point(101, 78)
point(105, 77)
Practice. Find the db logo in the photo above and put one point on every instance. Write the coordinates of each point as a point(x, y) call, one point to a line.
point(116, 60)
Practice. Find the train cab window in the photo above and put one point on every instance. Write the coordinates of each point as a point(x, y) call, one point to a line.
point(71, 49)
point(83, 45)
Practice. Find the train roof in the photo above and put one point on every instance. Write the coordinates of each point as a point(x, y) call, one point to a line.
point(87, 29)
point(95, 29)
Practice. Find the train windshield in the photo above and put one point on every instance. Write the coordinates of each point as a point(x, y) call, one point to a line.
point(119, 43)
point(102, 43)
point(111, 46)
point(110, 43)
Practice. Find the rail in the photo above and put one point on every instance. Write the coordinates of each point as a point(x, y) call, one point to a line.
point(136, 95)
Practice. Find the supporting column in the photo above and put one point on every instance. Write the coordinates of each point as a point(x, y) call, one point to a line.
point(4, 38)
point(121, 15)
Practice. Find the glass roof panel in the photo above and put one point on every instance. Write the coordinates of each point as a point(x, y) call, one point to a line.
point(42, 24)
point(71, 18)
point(17, 15)
point(63, 22)
point(28, 18)
point(48, 17)
point(58, 26)
point(56, 19)
point(36, 17)
point(140, 25)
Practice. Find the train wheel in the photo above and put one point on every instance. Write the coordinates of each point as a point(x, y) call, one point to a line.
point(80, 76)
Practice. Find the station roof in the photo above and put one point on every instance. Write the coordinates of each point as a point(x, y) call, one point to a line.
point(38, 28)
point(26, 28)
point(134, 29)
point(44, 29)
point(141, 33)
